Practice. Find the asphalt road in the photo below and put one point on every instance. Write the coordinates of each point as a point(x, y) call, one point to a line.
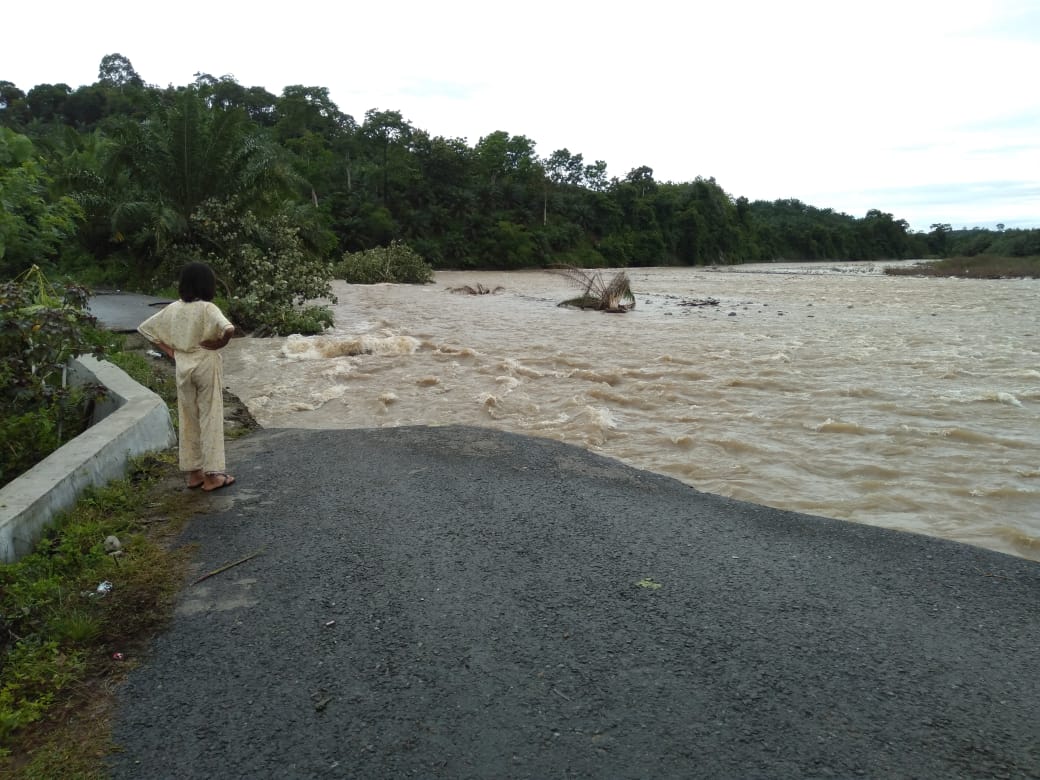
point(464, 603)
point(123, 312)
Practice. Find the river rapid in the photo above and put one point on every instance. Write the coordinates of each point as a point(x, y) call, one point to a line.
point(831, 389)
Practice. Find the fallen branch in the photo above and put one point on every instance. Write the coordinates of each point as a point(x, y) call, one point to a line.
point(478, 290)
point(225, 568)
point(614, 296)
point(699, 302)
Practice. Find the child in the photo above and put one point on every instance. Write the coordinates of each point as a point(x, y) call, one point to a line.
point(190, 331)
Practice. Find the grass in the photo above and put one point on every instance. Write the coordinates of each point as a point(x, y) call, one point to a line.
point(977, 267)
point(137, 367)
point(59, 634)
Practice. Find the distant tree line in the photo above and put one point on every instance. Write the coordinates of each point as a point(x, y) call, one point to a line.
point(121, 179)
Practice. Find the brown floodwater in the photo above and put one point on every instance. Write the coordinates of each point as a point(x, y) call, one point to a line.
point(831, 389)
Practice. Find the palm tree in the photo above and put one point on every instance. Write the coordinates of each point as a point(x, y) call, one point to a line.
point(183, 156)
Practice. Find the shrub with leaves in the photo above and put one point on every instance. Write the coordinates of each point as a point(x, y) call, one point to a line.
point(267, 273)
point(397, 263)
point(41, 330)
point(34, 227)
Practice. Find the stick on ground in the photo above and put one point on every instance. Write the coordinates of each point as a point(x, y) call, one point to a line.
point(226, 567)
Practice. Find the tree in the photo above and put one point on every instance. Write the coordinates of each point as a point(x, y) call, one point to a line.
point(562, 167)
point(183, 156)
point(301, 109)
point(12, 106)
point(938, 239)
point(45, 102)
point(34, 227)
point(883, 236)
point(86, 107)
point(390, 137)
point(116, 71)
point(9, 95)
point(563, 171)
point(508, 179)
point(596, 176)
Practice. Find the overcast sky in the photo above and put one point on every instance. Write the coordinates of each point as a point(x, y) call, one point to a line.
point(926, 109)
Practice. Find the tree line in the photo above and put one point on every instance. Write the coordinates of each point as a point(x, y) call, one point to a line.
point(122, 179)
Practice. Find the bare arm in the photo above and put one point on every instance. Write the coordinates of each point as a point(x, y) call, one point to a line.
point(221, 341)
point(166, 349)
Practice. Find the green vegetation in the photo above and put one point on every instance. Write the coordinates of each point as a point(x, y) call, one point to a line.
point(119, 182)
point(397, 263)
point(977, 267)
point(41, 329)
point(138, 368)
point(60, 628)
point(35, 222)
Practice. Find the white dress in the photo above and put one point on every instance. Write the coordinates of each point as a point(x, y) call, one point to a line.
point(200, 378)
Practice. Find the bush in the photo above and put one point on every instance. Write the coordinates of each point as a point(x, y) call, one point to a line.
point(397, 263)
point(266, 270)
point(34, 226)
point(40, 332)
point(978, 267)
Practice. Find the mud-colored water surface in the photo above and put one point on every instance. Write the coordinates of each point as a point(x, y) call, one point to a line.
point(835, 390)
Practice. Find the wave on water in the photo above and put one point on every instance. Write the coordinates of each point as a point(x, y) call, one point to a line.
point(455, 351)
point(605, 377)
point(837, 426)
point(516, 368)
point(601, 418)
point(994, 396)
point(298, 347)
point(509, 383)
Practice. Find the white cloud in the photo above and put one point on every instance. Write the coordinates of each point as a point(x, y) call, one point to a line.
point(832, 103)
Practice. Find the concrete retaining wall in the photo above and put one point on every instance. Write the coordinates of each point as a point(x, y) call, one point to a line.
point(131, 421)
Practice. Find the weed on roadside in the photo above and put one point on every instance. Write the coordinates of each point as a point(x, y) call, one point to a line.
point(75, 615)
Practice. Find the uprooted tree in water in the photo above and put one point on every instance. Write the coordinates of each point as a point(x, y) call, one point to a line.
point(597, 293)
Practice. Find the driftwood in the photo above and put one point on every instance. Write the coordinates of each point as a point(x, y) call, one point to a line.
point(478, 290)
point(698, 302)
point(614, 296)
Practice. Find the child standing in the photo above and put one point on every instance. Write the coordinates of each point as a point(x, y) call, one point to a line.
point(190, 331)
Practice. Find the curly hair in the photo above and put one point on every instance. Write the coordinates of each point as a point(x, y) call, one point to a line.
point(197, 283)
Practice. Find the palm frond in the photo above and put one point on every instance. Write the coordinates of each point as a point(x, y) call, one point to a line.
point(614, 295)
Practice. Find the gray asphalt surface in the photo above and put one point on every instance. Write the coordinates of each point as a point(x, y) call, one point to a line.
point(463, 603)
point(121, 311)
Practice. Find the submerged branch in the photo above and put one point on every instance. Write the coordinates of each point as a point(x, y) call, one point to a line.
point(610, 296)
point(478, 290)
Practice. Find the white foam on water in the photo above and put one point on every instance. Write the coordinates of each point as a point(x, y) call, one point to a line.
point(299, 348)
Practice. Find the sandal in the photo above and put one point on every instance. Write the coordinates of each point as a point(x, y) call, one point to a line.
point(225, 480)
